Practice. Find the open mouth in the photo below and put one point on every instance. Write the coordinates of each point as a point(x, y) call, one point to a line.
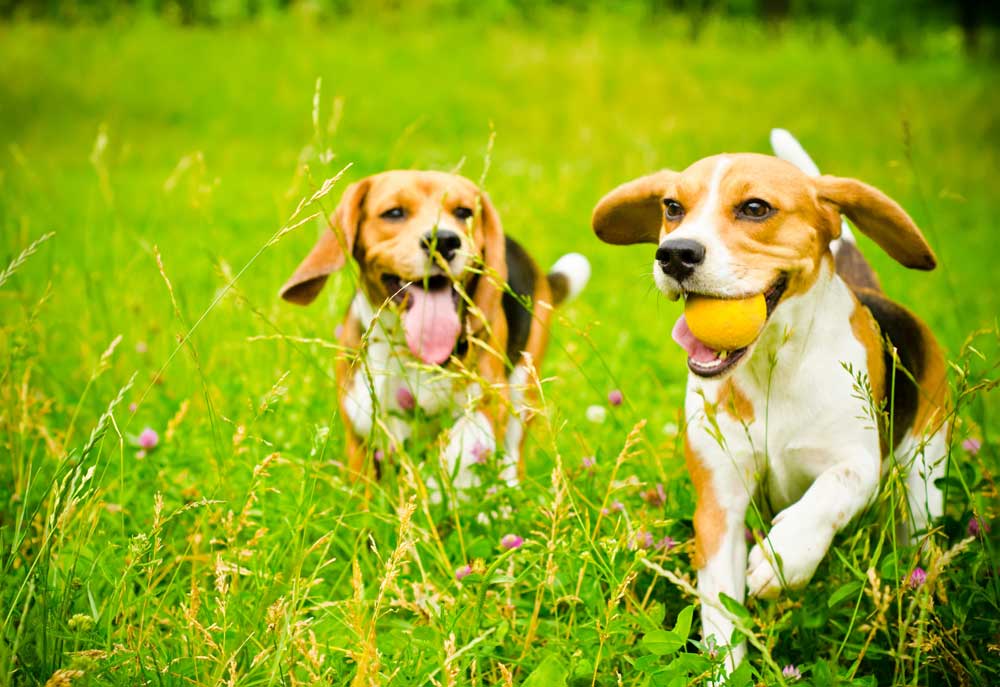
point(398, 288)
point(708, 362)
point(429, 315)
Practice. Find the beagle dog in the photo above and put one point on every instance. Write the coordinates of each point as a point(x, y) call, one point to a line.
point(801, 423)
point(450, 316)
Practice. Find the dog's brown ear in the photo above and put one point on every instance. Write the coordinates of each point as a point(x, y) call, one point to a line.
point(880, 218)
point(331, 250)
point(633, 212)
point(489, 287)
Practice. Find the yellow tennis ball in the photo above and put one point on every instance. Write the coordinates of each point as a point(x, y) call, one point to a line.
point(725, 324)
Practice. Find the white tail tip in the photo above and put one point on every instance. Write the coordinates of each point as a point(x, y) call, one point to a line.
point(788, 148)
point(576, 268)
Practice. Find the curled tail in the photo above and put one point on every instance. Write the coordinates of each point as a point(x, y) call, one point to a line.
point(851, 264)
point(568, 277)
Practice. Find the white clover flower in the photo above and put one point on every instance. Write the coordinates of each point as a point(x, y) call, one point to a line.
point(597, 414)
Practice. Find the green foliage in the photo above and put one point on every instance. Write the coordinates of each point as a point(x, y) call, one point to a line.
point(165, 162)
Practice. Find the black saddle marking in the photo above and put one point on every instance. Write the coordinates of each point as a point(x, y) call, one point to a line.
point(903, 331)
point(521, 276)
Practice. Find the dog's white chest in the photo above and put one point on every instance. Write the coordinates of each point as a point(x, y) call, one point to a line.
point(389, 383)
point(802, 396)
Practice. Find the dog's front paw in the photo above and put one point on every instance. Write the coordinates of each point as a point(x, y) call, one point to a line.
point(789, 555)
point(470, 442)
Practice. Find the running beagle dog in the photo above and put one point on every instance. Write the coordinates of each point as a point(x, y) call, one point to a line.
point(450, 316)
point(786, 422)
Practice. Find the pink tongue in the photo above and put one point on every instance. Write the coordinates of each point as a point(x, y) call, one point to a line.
point(431, 324)
point(696, 350)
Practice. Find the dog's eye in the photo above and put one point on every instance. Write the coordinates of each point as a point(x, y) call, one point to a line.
point(393, 213)
point(462, 212)
point(755, 208)
point(673, 209)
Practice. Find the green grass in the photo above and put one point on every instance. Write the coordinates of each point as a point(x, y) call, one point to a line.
point(236, 552)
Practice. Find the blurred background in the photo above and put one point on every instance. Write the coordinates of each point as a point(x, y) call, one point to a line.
point(906, 24)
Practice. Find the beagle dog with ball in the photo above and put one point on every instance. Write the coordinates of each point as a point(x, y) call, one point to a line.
point(451, 317)
point(805, 380)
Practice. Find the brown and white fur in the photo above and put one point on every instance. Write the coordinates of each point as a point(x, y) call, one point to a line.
point(435, 240)
point(780, 422)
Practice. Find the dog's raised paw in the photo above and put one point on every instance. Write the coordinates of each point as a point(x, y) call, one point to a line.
point(789, 555)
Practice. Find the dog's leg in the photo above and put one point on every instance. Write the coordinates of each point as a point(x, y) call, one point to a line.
point(925, 447)
point(349, 397)
point(521, 394)
point(471, 441)
point(355, 449)
point(720, 545)
point(802, 533)
point(524, 390)
point(926, 463)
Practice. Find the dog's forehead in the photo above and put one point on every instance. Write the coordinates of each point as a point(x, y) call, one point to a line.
point(418, 185)
point(742, 172)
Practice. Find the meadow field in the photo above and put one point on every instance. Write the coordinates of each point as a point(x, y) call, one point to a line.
point(150, 186)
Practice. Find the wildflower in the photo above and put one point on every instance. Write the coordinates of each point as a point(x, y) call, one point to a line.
point(597, 414)
point(615, 507)
point(977, 526)
point(615, 397)
point(671, 429)
point(138, 544)
point(80, 622)
point(338, 331)
point(511, 541)
point(140, 454)
point(655, 497)
point(790, 672)
point(148, 439)
point(917, 577)
point(972, 445)
point(711, 648)
point(642, 540)
point(141, 347)
point(404, 397)
point(132, 407)
point(666, 543)
point(379, 455)
point(479, 452)
point(463, 572)
point(588, 463)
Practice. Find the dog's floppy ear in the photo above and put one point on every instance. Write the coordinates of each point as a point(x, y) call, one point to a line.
point(331, 250)
point(880, 218)
point(489, 288)
point(633, 212)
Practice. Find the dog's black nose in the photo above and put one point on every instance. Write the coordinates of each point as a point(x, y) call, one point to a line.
point(679, 257)
point(443, 242)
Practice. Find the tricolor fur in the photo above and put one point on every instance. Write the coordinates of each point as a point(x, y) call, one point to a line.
point(779, 422)
point(451, 316)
